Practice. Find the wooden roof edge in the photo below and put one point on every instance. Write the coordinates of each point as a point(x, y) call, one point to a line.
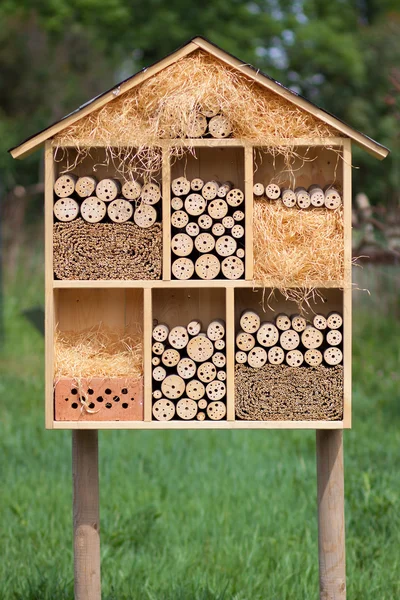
point(35, 141)
point(367, 143)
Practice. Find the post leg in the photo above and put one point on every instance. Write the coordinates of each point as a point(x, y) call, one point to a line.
point(331, 528)
point(86, 515)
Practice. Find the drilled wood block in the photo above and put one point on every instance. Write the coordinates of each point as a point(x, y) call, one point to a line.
point(98, 399)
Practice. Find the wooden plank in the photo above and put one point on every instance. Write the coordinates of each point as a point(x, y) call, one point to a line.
point(347, 294)
point(248, 189)
point(153, 284)
point(230, 353)
point(147, 333)
point(315, 164)
point(365, 142)
point(347, 203)
point(180, 306)
point(166, 211)
point(86, 516)
point(331, 526)
point(218, 163)
point(330, 142)
point(80, 309)
point(34, 142)
point(49, 178)
point(204, 142)
point(199, 425)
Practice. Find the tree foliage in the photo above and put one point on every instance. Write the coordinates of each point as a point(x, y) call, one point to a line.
point(343, 55)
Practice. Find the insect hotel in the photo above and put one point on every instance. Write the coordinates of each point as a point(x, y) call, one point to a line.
point(198, 256)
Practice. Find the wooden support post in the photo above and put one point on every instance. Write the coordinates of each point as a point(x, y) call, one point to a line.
point(331, 528)
point(86, 515)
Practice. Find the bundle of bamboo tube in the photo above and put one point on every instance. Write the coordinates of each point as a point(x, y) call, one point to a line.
point(280, 393)
point(290, 340)
point(189, 371)
point(315, 196)
point(208, 235)
point(106, 199)
point(208, 122)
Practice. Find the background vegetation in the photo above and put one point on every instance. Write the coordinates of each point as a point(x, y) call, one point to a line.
point(342, 54)
point(195, 515)
point(200, 515)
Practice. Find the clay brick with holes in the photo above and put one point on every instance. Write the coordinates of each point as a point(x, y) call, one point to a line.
point(117, 399)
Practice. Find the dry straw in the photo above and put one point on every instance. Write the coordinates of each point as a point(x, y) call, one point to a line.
point(98, 352)
point(297, 248)
point(164, 106)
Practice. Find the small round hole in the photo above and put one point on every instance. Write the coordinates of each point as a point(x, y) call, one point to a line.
point(91, 405)
point(74, 405)
point(124, 391)
point(108, 405)
point(116, 398)
point(99, 398)
point(107, 391)
point(74, 391)
point(124, 405)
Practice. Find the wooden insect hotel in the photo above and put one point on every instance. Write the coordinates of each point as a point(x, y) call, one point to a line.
point(198, 253)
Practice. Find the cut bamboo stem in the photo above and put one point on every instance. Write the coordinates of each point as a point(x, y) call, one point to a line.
point(108, 189)
point(220, 126)
point(272, 191)
point(64, 185)
point(85, 186)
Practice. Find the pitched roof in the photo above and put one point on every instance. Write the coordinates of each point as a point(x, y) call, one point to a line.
point(34, 142)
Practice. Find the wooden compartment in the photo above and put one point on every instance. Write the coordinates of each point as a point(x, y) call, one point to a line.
point(107, 249)
point(208, 254)
point(178, 308)
point(293, 245)
point(275, 401)
point(314, 164)
point(116, 310)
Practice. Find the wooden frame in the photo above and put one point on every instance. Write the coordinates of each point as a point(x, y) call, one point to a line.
point(233, 290)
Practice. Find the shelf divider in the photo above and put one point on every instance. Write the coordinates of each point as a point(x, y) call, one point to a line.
point(166, 214)
point(230, 353)
point(147, 369)
point(248, 202)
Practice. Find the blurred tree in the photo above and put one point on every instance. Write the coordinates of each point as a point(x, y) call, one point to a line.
point(343, 55)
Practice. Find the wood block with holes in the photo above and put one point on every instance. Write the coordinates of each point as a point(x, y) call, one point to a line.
point(98, 399)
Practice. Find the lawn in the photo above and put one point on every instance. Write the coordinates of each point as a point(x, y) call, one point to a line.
point(196, 515)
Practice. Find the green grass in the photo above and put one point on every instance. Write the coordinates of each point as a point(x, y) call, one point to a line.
point(197, 515)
